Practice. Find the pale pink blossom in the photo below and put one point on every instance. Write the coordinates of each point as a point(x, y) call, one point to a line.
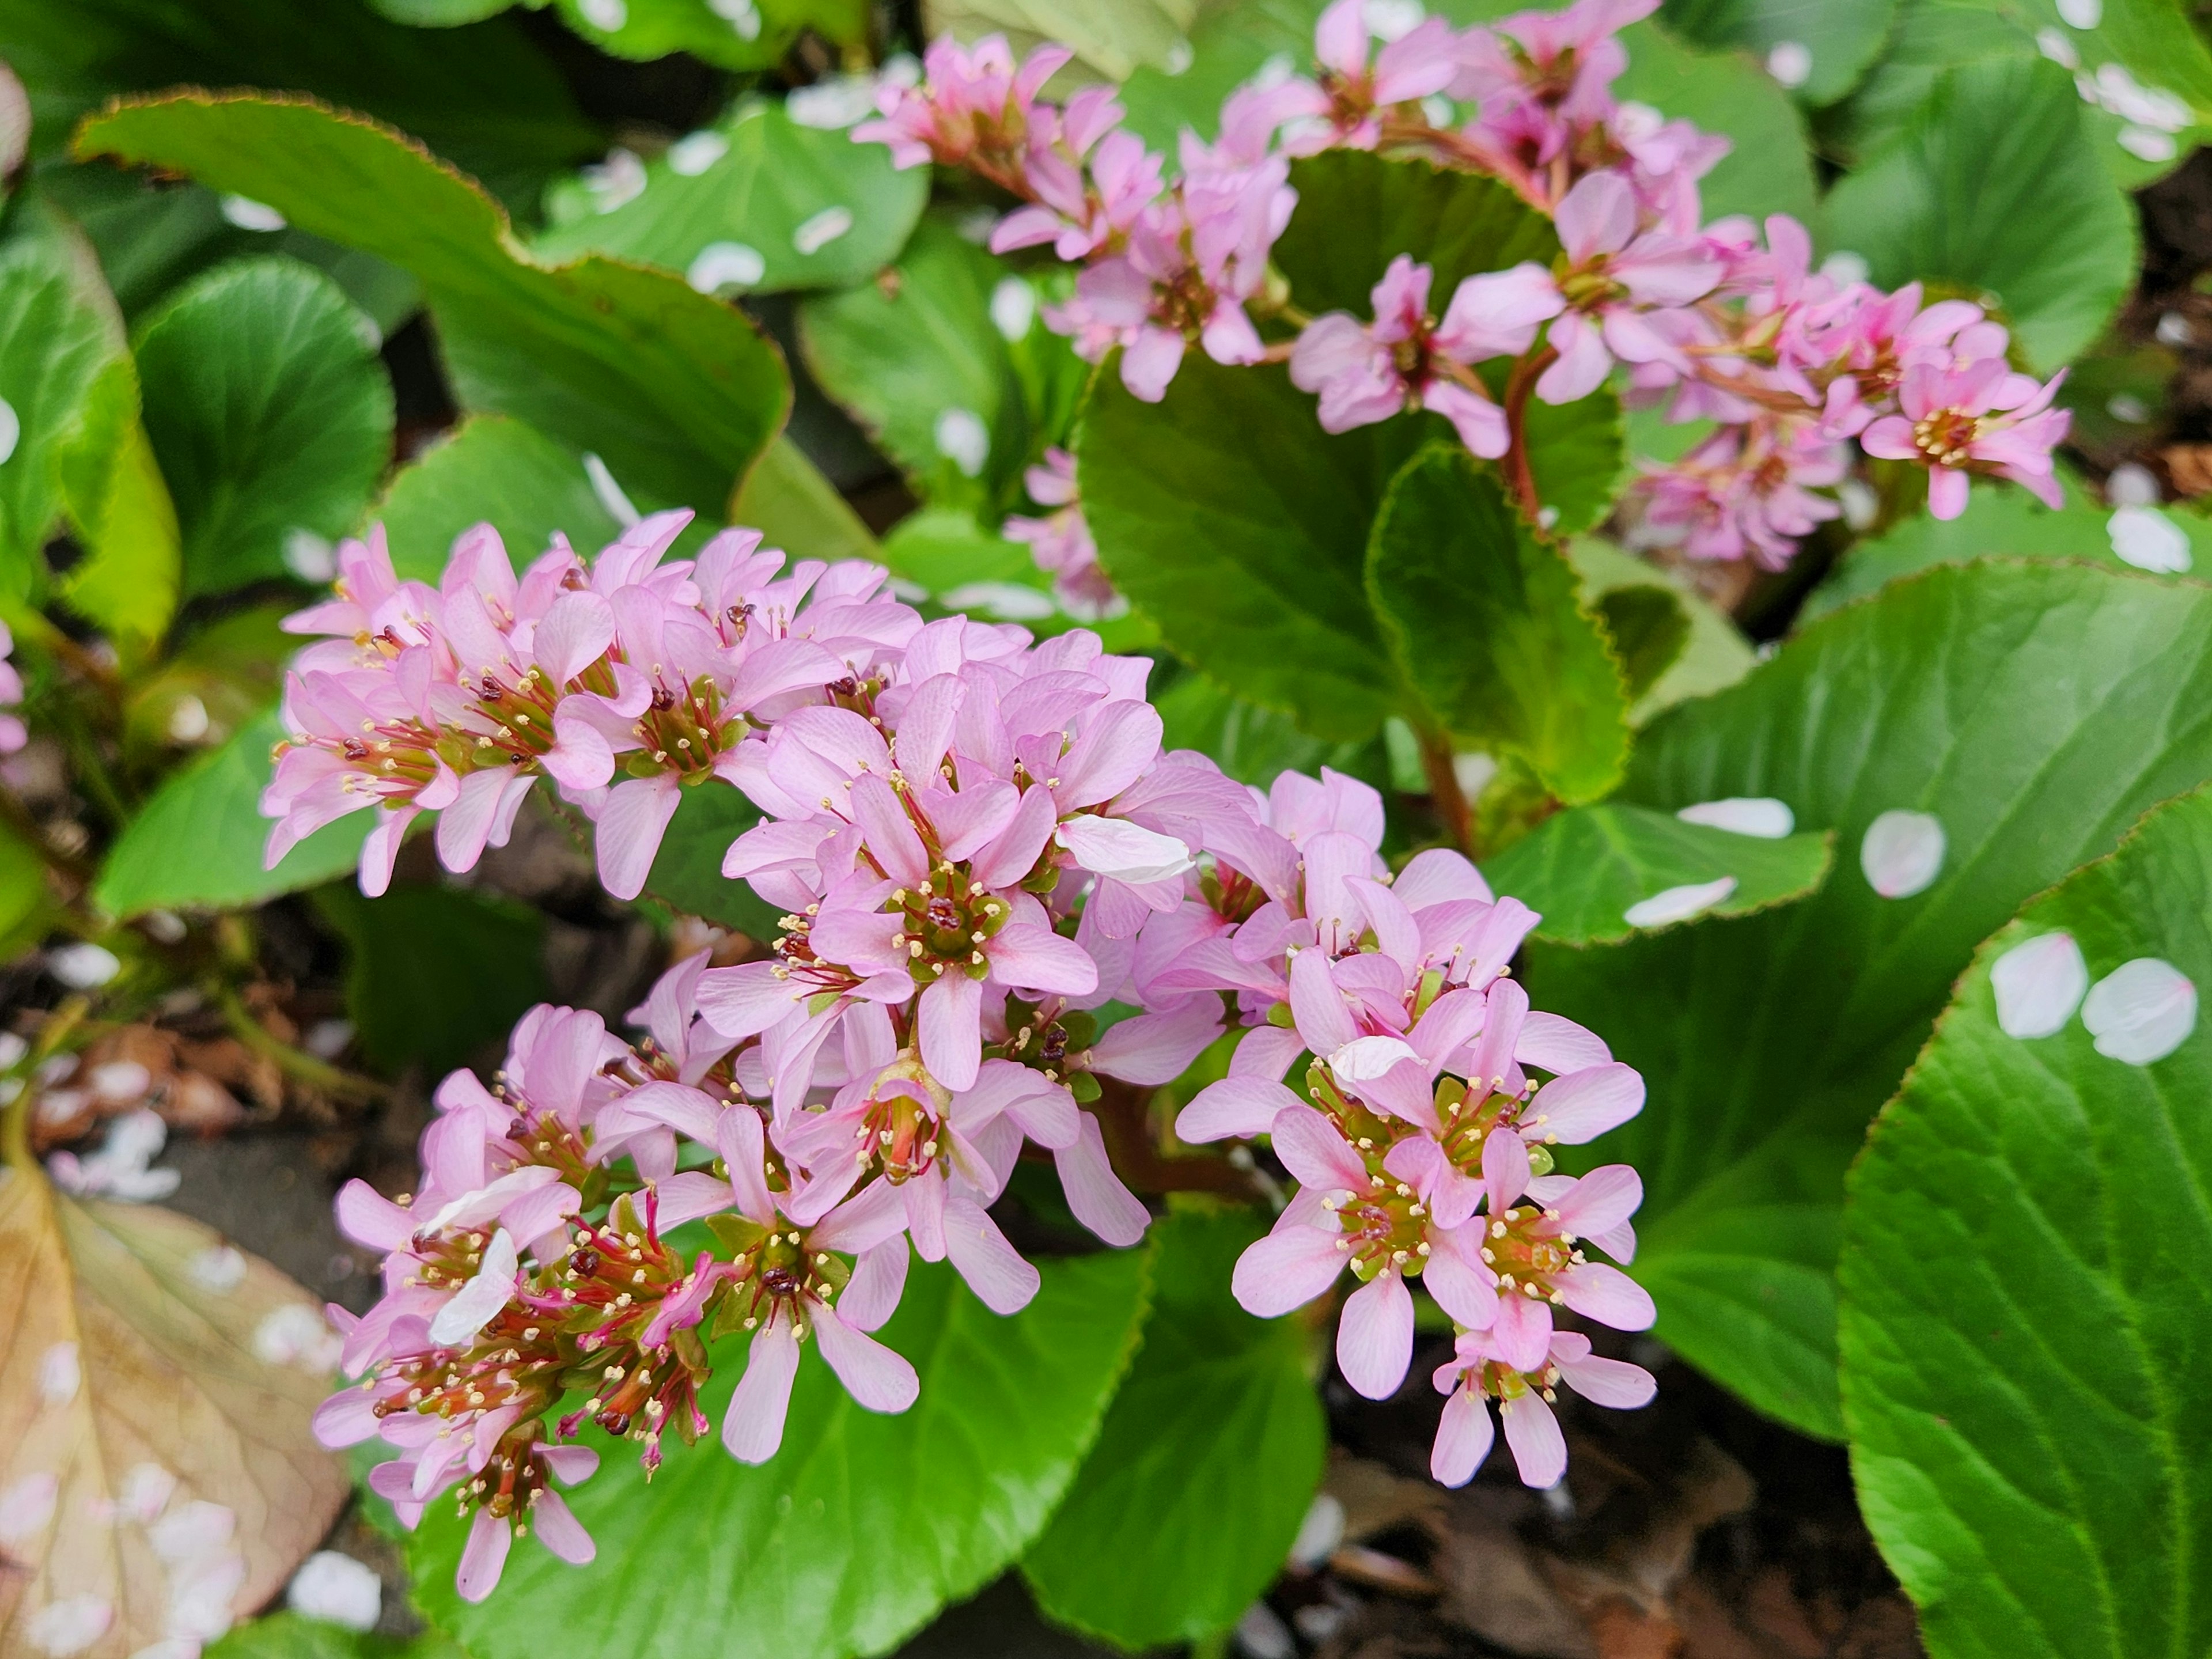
point(1984, 418)
point(1479, 1372)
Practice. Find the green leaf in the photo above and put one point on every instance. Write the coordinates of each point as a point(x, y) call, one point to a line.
point(1251, 744)
point(496, 469)
point(1487, 627)
point(917, 359)
point(2150, 42)
point(269, 412)
point(1649, 627)
point(1993, 186)
point(1716, 655)
point(1208, 1462)
point(1841, 39)
point(1770, 167)
point(197, 843)
point(119, 509)
point(1111, 38)
point(2002, 521)
point(2025, 1308)
point(2035, 711)
point(787, 500)
point(24, 898)
point(734, 37)
point(484, 95)
point(209, 683)
point(946, 551)
point(1576, 452)
point(861, 1526)
point(1585, 870)
point(687, 872)
point(1235, 523)
point(757, 183)
point(437, 974)
point(293, 1636)
point(1228, 45)
point(58, 329)
point(677, 393)
point(1357, 212)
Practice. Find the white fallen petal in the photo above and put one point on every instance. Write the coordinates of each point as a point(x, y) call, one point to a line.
point(69, 1626)
point(1008, 601)
point(1319, 1533)
point(692, 154)
point(963, 440)
point(824, 227)
point(609, 15)
point(337, 1589)
point(11, 429)
point(59, 1375)
point(1790, 63)
point(612, 495)
point(2141, 1011)
point(1678, 904)
point(249, 214)
point(1364, 1059)
point(219, 1268)
point(26, 1506)
point(1743, 814)
point(2082, 14)
point(84, 965)
point(1013, 308)
point(1902, 853)
point(298, 1334)
point(2146, 538)
point(2039, 985)
point(725, 265)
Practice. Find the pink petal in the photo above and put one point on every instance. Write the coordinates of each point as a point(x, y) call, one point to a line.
point(1585, 1104)
point(1464, 1436)
point(1608, 1296)
point(560, 1531)
point(1375, 1335)
point(1152, 1049)
point(995, 1270)
point(744, 1001)
point(1608, 1382)
point(485, 1556)
point(1094, 1193)
point(878, 1378)
point(1323, 1021)
point(877, 1282)
point(1598, 216)
point(1235, 1107)
point(1462, 1286)
point(1558, 1045)
point(1312, 1150)
point(950, 1018)
point(1522, 1332)
point(1286, 1269)
point(1539, 1450)
point(1035, 958)
point(752, 1429)
point(629, 829)
point(1504, 1169)
point(1600, 1200)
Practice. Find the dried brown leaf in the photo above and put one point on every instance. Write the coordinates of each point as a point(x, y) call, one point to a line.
point(157, 1474)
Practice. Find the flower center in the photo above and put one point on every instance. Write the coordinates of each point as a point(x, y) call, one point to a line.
point(1945, 436)
point(684, 731)
point(1525, 1259)
point(944, 921)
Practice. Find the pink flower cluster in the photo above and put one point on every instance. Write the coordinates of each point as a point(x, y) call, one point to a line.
point(13, 732)
point(1711, 320)
point(979, 846)
point(1434, 1096)
point(1061, 541)
point(624, 681)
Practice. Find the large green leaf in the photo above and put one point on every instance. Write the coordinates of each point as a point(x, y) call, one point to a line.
point(119, 511)
point(1111, 38)
point(58, 330)
point(2141, 58)
point(754, 204)
point(490, 469)
point(787, 499)
point(1993, 186)
point(270, 413)
point(2003, 521)
point(485, 95)
point(1183, 1512)
point(2035, 711)
point(920, 359)
point(1717, 654)
point(1769, 166)
point(687, 871)
point(295, 1636)
point(1230, 518)
point(2025, 1309)
point(1822, 47)
point(727, 32)
point(1251, 744)
point(437, 973)
point(197, 843)
point(1357, 212)
point(677, 394)
point(1598, 873)
point(1487, 629)
point(860, 1528)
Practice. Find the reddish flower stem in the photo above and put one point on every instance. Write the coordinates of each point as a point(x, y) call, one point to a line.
point(1514, 464)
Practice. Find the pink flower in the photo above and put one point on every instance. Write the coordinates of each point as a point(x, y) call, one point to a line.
point(1061, 541)
point(1982, 418)
point(1532, 1248)
point(13, 733)
point(1407, 69)
point(1479, 1373)
point(1745, 492)
point(1368, 373)
point(1614, 278)
point(974, 105)
point(523, 1499)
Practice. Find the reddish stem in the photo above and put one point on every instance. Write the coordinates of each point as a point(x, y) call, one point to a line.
point(1518, 385)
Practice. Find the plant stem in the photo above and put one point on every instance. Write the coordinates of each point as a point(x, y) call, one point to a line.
point(296, 1063)
point(1121, 1112)
point(1451, 802)
point(1515, 465)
